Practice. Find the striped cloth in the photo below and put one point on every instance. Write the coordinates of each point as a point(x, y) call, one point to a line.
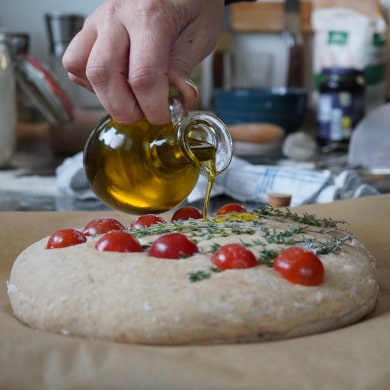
point(251, 183)
point(242, 181)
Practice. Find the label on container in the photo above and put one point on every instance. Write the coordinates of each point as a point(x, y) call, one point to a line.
point(338, 113)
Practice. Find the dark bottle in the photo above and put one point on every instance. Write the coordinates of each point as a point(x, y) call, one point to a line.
point(340, 104)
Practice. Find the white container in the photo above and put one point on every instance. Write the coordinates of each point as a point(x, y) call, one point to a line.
point(8, 112)
point(258, 60)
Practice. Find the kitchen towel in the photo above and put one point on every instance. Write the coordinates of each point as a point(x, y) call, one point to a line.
point(244, 182)
point(252, 183)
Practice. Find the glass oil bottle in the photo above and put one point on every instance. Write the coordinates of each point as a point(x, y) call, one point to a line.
point(142, 168)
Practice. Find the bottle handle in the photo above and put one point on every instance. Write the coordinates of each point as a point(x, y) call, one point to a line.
point(203, 126)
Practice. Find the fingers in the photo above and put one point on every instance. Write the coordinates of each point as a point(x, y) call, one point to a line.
point(107, 71)
point(129, 56)
point(153, 69)
point(76, 55)
point(97, 59)
point(148, 68)
point(188, 91)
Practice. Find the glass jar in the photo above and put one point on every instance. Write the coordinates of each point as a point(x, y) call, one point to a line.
point(340, 104)
point(8, 106)
point(142, 168)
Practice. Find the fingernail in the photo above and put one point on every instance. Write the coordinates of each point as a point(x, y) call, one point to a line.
point(193, 86)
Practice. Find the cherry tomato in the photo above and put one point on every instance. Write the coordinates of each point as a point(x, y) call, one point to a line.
point(118, 241)
point(146, 220)
point(173, 246)
point(102, 225)
point(186, 212)
point(232, 256)
point(300, 266)
point(231, 208)
point(65, 237)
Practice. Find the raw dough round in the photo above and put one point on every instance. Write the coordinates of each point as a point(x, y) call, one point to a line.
point(135, 298)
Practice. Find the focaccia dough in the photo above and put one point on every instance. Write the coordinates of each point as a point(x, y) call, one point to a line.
point(135, 298)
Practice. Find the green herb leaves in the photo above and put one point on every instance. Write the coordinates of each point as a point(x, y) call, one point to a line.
point(266, 231)
point(332, 245)
point(201, 274)
point(306, 219)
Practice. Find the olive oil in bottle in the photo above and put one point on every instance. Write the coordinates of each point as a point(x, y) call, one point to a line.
point(142, 168)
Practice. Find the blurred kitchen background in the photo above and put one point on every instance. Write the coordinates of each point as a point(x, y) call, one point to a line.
point(29, 17)
point(268, 69)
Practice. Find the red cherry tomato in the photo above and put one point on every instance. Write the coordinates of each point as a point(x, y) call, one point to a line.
point(118, 241)
point(231, 208)
point(146, 220)
point(102, 225)
point(232, 256)
point(300, 266)
point(185, 213)
point(65, 237)
point(173, 246)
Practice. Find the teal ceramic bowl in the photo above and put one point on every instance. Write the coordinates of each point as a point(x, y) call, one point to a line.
point(285, 107)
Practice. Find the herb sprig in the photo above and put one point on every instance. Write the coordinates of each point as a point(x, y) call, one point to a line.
point(274, 236)
point(197, 276)
point(306, 218)
point(333, 245)
point(267, 257)
point(203, 230)
point(280, 236)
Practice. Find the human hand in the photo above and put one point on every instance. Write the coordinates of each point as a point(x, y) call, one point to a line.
point(130, 51)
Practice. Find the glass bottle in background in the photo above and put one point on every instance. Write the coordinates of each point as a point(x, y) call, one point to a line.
point(61, 28)
point(27, 112)
point(8, 112)
point(341, 105)
point(67, 139)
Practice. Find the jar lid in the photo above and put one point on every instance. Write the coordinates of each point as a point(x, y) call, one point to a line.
point(340, 70)
point(42, 88)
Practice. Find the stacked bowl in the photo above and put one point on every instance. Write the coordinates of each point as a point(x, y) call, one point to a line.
point(285, 107)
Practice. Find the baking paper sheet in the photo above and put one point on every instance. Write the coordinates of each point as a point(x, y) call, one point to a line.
point(354, 357)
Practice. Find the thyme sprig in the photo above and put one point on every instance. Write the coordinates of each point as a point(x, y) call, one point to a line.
point(306, 218)
point(333, 245)
point(267, 257)
point(209, 228)
point(203, 230)
point(285, 237)
point(280, 236)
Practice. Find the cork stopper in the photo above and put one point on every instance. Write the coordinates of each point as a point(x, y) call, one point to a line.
point(278, 199)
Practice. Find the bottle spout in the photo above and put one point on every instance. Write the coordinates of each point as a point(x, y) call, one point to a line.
point(202, 132)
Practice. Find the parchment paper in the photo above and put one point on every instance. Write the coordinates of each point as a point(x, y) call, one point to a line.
point(354, 357)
